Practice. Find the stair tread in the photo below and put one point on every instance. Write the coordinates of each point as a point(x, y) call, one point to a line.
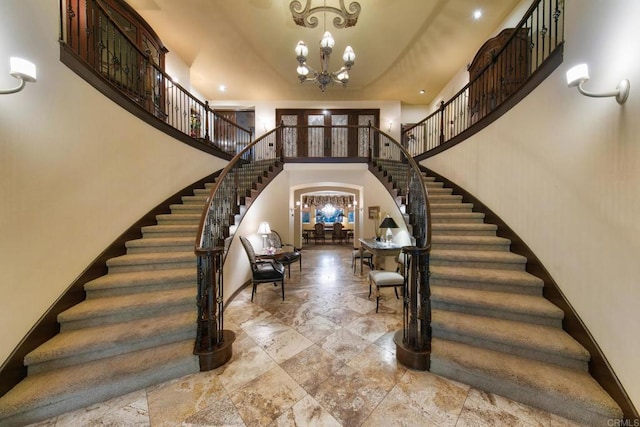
point(516, 303)
point(86, 340)
point(190, 216)
point(496, 275)
point(152, 257)
point(103, 306)
point(538, 377)
point(119, 372)
point(486, 256)
point(160, 241)
point(461, 226)
point(545, 339)
point(484, 240)
point(136, 278)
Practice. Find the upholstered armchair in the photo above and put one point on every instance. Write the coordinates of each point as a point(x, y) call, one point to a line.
point(263, 271)
point(290, 254)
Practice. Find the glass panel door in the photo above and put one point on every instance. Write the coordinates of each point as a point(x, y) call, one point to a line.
point(315, 135)
point(339, 136)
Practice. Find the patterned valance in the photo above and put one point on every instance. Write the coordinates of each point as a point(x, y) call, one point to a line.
point(321, 201)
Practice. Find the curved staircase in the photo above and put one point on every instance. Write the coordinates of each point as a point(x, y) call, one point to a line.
point(137, 326)
point(493, 329)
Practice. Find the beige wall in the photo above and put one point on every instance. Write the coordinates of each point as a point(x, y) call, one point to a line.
point(76, 171)
point(563, 171)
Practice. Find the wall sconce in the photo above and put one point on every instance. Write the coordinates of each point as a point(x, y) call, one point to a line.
point(579, 74)
point(354, 206)
point(390, 125)
point(23, 70)
point(294, 209)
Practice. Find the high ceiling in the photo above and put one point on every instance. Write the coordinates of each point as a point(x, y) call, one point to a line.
point(401, 46)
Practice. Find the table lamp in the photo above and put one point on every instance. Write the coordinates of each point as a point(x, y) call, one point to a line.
point(388, 223)
point(264, 229)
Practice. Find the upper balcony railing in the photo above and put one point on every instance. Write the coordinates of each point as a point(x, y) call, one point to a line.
point(110, 58)
point(500, 76)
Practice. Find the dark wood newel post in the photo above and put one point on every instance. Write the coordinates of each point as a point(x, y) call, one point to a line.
point(441, 122)
point(413, 342)
point(213, 343)
point(207, 110)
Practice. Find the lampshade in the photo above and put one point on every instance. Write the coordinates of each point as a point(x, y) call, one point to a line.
point(301, 49)
point(264, 228)
point(23, 69)
point(327, 40)
point(388, 222)
point(577, 75)
point(349, 54)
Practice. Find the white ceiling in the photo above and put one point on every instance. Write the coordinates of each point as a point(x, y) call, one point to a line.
point(401, 46)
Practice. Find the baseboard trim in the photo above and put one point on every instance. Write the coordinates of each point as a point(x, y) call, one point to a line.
point(13, 370)
point(599, 367)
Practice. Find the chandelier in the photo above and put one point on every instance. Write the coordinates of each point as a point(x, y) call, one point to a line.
point(323, 78)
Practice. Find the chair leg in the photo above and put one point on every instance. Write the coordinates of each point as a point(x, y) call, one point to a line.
point(282, 289)
point(377, 298)
point(253, 291)
point(395, 288)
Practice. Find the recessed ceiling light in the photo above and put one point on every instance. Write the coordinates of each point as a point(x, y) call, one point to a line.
point(222, 88)
point(421, 91)
point(477, 14)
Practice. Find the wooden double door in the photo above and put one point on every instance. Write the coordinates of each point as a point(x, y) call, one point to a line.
point(326, 133)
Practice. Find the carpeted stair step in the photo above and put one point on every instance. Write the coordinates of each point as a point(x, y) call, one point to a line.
point(493, 260)
point(544, 343)
point(186, 209)
point(123, 308)
point(87, 344)
point(198, 200)
point(48, 394)
point(151, 261)
point(202, 192)
point(462, 229)
point(444, 198)
point(141, 281)
point(518, 307)
point(486, 279)
point(178, 219)
point(451, 207)
point(432, 191)
point(457, 217)
point(470, 243)
point(153, 231)
point(566, 392)
point(163, 244)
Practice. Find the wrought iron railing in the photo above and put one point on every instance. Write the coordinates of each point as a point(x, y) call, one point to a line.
point(236, 187)
point(532, 43)
point(103, 46)
point(394, 163)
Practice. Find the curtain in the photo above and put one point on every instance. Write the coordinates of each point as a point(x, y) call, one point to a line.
point(319, 202)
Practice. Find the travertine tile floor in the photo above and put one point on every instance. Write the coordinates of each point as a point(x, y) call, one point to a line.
point(323, 357)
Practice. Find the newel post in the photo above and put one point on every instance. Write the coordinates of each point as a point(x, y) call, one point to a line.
point(213, 343)
point(413, 342)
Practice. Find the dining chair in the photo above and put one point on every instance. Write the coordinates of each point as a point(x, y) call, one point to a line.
point(318, 232)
